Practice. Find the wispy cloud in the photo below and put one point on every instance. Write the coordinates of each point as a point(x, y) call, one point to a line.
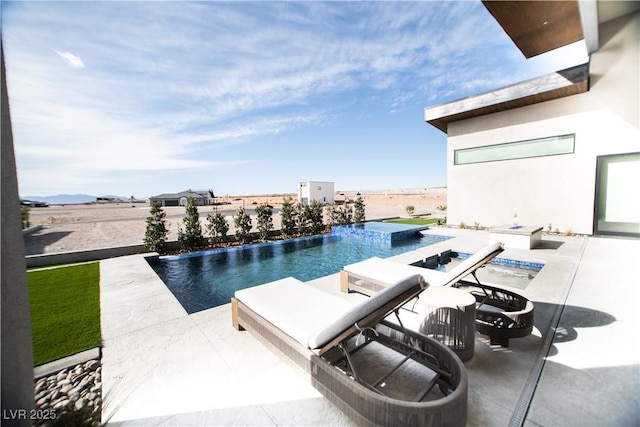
point(72, 60)
point(170, 86)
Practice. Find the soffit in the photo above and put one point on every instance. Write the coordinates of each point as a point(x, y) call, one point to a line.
point(552, 86)
point(537, 27)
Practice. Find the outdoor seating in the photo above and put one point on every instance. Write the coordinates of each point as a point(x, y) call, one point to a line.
point(335, 341)
point(374, 274)
point(500, 314)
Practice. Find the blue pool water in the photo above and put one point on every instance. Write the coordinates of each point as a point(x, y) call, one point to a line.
point(207, 279)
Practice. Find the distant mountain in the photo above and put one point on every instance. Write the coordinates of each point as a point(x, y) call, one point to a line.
point(69, 199)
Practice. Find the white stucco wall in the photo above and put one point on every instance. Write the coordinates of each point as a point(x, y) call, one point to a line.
point(557, 190)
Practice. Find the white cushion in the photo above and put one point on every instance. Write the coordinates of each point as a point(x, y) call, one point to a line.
point(362, 309)
point(310, 316)
point(297, 309)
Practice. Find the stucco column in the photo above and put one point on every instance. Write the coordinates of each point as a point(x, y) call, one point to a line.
point(16, 356)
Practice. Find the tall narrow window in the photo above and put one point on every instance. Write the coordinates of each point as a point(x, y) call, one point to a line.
point(618, 195)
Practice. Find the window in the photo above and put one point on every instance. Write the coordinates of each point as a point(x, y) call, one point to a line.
point(550, 146)
point(617, 188)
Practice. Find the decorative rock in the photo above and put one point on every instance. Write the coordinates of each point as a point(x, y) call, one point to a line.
point(61, 404)
point(92, 365)
point(69, 390)
point(54, 394)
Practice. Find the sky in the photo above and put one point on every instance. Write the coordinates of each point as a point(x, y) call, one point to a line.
point(137, 98)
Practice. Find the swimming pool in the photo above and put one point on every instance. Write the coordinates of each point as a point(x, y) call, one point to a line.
point(207, 279)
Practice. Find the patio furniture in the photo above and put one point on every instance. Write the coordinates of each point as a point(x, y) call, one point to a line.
point(445, 314)
point(374, 274)
point(335, 341)
point(500, 314)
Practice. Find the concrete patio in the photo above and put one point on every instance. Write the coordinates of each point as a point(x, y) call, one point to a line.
point(581, 366)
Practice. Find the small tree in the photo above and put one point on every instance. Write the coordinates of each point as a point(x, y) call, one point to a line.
point(333, 215)
point(24, 214)
point(191, 237)
point(288, 217)
point(409, 209)
point(345, 215)
point(313, 214)
point(217, 226)
point(264, 221)
point(302, 219)
point(242, 221)
point(358, 214)
point(155, 237)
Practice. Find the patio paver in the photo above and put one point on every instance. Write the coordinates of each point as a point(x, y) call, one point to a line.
point(164, 367)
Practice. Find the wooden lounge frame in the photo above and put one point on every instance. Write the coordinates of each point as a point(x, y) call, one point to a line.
point(333, 372)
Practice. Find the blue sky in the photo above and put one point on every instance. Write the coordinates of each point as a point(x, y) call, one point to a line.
point(142, 98)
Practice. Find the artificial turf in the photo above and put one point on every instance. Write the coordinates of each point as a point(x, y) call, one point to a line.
point(65, 310)
point(414, 221)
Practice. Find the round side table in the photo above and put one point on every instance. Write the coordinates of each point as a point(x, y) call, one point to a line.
point(450, 318)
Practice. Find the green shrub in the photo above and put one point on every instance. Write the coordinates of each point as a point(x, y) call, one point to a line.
point(409, 209)
point(359, 213)
point(313, 213)
point(264, 220)
point(242, 221)
point(288, 217)
point(190, 237)
point(302, 219)
point(24, 214)
point(217, 227)
point(155, 236)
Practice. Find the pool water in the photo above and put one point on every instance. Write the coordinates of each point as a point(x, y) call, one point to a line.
point(208, 279)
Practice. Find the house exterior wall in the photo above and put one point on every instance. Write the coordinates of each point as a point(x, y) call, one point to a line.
point(316, 190)
point(17, 352)
point(557, 190)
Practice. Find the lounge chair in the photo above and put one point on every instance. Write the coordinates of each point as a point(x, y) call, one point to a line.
point(500, 314)
point(374, 274)
point(334, 340)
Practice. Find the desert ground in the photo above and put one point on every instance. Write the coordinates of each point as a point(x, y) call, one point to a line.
point(102, 225)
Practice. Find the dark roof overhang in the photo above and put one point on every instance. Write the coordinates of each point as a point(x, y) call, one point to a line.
point(537, 27)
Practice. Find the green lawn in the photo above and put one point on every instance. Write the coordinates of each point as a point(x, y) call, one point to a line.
point(65, 310)
point(415, 221)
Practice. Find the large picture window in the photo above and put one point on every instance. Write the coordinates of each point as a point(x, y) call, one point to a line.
point(550, 146)
point(617, 195)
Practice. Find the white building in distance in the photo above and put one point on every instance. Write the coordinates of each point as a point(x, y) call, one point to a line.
point(321, 191)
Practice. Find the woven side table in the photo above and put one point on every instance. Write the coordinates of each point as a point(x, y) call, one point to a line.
point(450, 318)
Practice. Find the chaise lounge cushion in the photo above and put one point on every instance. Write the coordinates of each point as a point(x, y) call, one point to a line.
point(387, 271)
point(313, 317)
point(297, 309)
point(363, 308)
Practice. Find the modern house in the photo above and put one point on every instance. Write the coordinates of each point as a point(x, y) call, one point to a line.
point(562, 150)
point(200, 197)
point(323, 192)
